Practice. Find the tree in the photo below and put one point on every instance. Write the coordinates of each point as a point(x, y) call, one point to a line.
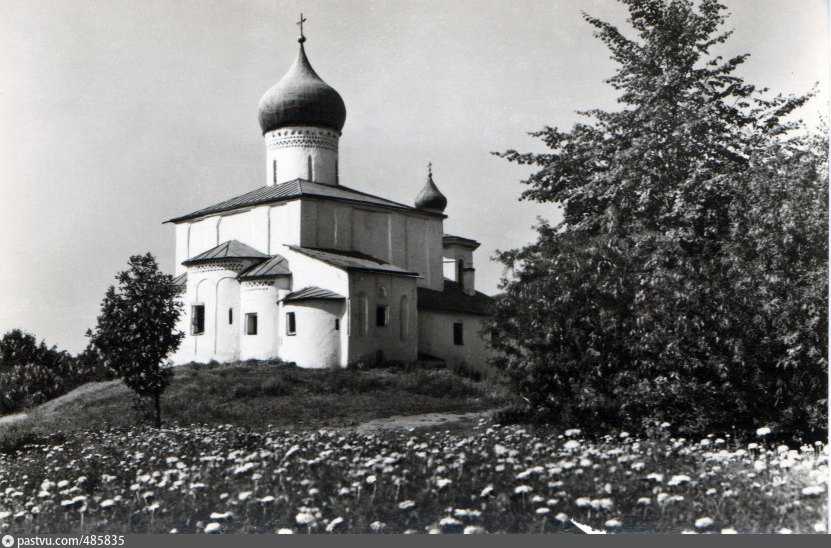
point(19, 348)
point(136, 329)
point(686, 281)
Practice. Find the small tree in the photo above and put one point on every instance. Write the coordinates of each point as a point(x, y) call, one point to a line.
point(136, 329)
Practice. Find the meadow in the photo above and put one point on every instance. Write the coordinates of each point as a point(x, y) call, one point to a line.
point(486, 479)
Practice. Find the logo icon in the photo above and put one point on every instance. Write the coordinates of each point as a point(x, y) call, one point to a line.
point(8, 541)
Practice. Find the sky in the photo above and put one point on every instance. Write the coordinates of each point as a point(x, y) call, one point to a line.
point(117, 115)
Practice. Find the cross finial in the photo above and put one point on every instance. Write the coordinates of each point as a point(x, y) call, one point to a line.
point(430, 169)
point(300, 24)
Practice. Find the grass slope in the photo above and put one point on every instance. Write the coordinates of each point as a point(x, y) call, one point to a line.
point(262, 395)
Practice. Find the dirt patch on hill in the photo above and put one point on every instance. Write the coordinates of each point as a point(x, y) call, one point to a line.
point(428, 420)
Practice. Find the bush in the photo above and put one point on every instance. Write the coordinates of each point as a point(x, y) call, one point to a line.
point(440, 384)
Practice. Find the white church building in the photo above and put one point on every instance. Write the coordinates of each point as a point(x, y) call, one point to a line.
point(307, 270)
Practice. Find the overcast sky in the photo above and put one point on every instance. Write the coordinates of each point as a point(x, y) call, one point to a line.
point(117, 115)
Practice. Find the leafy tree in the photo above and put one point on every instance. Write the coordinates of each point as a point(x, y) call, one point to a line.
point(136, 329)
point(19, 348)
point(686, 281)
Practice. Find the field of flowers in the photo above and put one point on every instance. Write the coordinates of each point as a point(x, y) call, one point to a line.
point(217, 479)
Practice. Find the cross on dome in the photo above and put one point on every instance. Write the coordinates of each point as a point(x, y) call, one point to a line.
point(300, 24)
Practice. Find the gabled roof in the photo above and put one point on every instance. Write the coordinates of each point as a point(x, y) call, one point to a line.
point(453, 299)
point(449, 239)
point(180, 281)
point(292, 190)
point(352, 260)
point(275, 266)
point(232, 249)
point(312, 293)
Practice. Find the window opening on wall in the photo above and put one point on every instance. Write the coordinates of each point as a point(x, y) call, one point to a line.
point(230, 316)
point(337, 324)
point(460, 272)
point(251, 323)
point(197, 319)
point(458, 334)
point(309, 167)
point(291, 323)
point(274, 170)
point(382, 315)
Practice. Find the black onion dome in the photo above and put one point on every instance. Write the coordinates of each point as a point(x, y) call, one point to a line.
point(430, 197)
point(301, 98)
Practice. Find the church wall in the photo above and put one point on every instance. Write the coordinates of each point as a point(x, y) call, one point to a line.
point(398, 340)
point(249, 227)
point(203, 235)
point(283, 226)
point(424, 251)
point(260, 297)
point(182, 243)
point(316, 343)
point(435, 337)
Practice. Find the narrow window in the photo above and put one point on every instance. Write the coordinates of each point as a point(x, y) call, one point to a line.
point(291, 324)
point(230, 316)
point(404, 316)
point(337, 324)
point(197, 319)
point(309, 167)
point(460, 272)
point(251, 323)
point(274, 171)
point(458, 334)
point(382, 315)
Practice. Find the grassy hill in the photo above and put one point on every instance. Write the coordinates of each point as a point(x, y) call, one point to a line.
point(262, 395)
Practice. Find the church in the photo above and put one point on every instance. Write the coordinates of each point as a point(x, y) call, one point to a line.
point(308, 270)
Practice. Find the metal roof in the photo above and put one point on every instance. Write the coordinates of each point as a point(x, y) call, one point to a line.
point(352, 260)
point(232, 249)
point(449, 239)
point(454, 299)
point(180, 281)
point(298, 188)
point(275, 266)
point(312, 293)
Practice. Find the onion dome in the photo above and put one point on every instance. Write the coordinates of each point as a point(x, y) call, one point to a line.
point(430, 197)
point(301, 98)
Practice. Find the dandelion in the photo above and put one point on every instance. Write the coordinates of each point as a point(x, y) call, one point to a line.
point(486, 491)
point(571, 445)
point(441, 483)
point(613, 523)
point(812, 491)
point(784, 531)
point(304, 518)
point(522, 489)
point(583, 502)
point(679, 479)
point(819, 527)
point(474, 530)
point(762, 432)
point(572, 432)
point(333, 524)
point(285, 531)
point(370, 479)
point(644, 501)
point(728, 531)
point(406, 504)
point(268, 499)
point(107, 503)
point(244, 496)
point(377, 526)
point(221, 516)
point(213, 528)
point(623, 435)
point(704, 523)
point(542, 511)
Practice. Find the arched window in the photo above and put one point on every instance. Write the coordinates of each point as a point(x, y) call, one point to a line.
point(309, 167)
point(404, 317)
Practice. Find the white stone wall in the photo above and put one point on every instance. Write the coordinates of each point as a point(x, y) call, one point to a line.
point(309, 153)
point(316, 343)
point(260, 297)
point(435, 336)
point(398, 340)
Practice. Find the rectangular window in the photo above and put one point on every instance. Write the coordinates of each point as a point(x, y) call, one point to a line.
point(197, 319)
point(381, 315)
point(458, 334)
point(230, 316)
point(291, 324)
point(251, 323)
point(337, 324)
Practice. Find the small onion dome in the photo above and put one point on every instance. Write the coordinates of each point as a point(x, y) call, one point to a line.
point(430, 197)
point(301, 98)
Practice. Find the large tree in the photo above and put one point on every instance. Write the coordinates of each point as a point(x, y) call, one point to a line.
point(686, 281)
point(136, 329)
